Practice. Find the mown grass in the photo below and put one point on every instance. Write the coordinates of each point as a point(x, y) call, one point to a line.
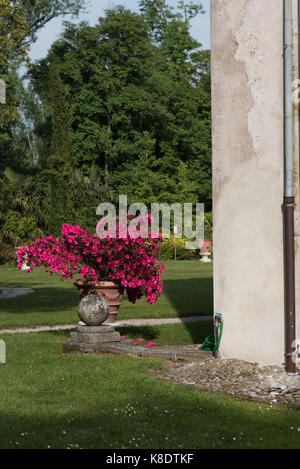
point(170, 334)
point(52, 400)
point(187, 292)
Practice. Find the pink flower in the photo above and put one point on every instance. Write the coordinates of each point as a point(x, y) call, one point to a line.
point(130, 261)
point(150, 344)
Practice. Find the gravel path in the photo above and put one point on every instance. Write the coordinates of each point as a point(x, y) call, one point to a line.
point(154, 322)
point(239, 379)
point(124, 323)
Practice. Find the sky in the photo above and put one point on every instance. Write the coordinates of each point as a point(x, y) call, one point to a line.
point(95, 8)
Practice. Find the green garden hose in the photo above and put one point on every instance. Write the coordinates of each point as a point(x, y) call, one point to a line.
point(209, 345)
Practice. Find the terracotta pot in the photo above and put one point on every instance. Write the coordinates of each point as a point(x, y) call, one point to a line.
point(110, 290)
point(206, 246)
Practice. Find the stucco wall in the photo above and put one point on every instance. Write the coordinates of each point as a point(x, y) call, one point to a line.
point(247, 106)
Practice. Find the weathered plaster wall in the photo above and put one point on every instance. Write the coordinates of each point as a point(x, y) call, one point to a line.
point(296, 172)
point(247, 105)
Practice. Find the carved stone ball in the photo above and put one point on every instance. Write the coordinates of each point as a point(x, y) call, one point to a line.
point(93, 310)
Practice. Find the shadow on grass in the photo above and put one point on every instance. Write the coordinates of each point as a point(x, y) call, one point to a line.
point(190, 297)
point(194, 420)
point(171, 334)
point(43, 300)
point(184, 297)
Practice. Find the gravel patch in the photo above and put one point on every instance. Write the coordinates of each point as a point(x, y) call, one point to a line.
point(238, 379)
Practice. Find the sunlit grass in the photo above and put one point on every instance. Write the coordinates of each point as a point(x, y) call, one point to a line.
point(51, 400)
point(187, 292)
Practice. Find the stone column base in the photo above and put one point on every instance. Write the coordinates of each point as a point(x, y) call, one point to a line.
point(91, 339)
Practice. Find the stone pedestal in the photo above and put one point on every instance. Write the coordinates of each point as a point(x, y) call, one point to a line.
point(205, 257)
point(91, 339)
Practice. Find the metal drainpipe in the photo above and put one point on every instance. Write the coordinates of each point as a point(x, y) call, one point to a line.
point(289, 199)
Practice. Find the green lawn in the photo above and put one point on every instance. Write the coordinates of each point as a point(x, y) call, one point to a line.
point(52, 400)
point(187, 292)
point(91, 401)
point(171, 334)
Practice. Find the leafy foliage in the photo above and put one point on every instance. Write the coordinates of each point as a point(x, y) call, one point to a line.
point(120, 107)
point(131, 112)
point(37, 13)
point(13, 30)
point(172, 248)
point(20, 212)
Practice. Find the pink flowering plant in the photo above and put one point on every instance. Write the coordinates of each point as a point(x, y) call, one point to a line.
point(129, 261)
point(140, 341)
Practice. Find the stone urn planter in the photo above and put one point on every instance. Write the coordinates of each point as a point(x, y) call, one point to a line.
point(205, 250)
point(110, 290)
point(101, 263)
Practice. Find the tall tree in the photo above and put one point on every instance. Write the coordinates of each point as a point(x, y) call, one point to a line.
point(138, 111)
point(170, 28)
point(114, 88)
point(188, 65)
point(20, 20)
point(26, 133)
point(61, 150)
point(58, 169)
point(13, 30)
point(37, 13)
